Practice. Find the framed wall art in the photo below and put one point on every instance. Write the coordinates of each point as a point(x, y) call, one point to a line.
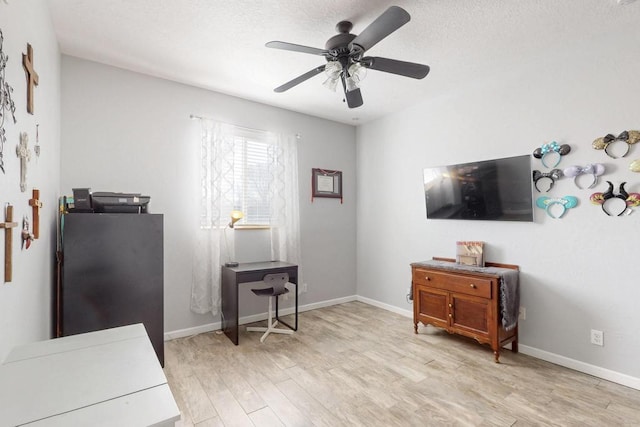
point(326, 183)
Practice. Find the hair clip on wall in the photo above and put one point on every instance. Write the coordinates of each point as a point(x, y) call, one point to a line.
point(631, 199)
point(595, 170)
point(554, 175)
point(549, 204)
point(607, 141)
point(553, 148)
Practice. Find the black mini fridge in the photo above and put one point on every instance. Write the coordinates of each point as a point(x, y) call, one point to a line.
point(112, 274)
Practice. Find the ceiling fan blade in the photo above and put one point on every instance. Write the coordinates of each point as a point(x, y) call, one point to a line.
point(296, 48)
point(393, 66)
point(353, 97)
point(299, 79)
point(390, 20)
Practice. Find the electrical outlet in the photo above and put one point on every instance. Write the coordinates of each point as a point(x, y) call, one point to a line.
point(305, 288)
point(597, 337)
point(522, 314)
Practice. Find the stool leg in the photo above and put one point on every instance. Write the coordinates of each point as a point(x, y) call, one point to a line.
point(269, 325)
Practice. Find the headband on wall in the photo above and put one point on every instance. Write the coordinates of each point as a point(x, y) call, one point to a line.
point(554, 148)
point(554, 175)
point(629, 137)
point(631, 199)
point(566, 202)
point(594, 169)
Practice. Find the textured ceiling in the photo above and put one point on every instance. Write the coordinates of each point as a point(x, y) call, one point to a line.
point(219, 45)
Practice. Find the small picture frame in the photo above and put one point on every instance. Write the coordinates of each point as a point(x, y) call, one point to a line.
point(470, 253)
point(326, 183)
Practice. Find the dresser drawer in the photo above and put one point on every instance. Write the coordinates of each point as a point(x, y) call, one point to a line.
point(469, 285)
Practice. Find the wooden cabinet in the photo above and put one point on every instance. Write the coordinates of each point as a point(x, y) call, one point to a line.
point(462, 302)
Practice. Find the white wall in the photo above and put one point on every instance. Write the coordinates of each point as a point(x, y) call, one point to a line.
point(25, 303)
point(577, 273)
point(128, 132)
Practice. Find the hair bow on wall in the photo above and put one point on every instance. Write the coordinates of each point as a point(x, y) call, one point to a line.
point(553, 175)
point(553, 147)
point(624, 136)
point(566, 202)
point(595, 169)
point(630, 137)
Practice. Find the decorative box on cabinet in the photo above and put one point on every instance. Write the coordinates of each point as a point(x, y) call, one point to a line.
point(462, 301)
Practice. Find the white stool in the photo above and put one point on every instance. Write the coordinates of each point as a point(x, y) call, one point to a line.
point(278, 287)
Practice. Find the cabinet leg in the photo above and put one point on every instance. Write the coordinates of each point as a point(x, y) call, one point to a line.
point(496, 355)
point(415, 328)
point(514, 346)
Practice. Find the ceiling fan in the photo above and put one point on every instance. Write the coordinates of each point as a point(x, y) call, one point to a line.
point(346, 62)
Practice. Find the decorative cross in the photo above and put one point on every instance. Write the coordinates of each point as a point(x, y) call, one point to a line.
point(8, 225)
point(32, 76)
point(22, 150)
point(36, 204)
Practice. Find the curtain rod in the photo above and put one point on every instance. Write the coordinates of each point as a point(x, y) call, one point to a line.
point(194, 116)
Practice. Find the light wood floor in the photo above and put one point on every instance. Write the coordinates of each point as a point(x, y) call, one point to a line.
point(358, 365)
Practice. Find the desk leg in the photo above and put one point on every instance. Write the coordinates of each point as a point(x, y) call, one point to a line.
point(296, 313)
point(229, 296)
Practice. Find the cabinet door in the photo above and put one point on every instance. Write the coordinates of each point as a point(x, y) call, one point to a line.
point(471, 315)
point(432, 306)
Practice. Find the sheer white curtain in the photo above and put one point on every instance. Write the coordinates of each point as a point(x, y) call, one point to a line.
point(215, 245)
point(285, 201)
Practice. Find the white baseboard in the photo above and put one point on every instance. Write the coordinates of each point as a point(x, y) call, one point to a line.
point(394, 309)
point(596, 371)
point(214, 326)
point(181, 333)
point(576, 365)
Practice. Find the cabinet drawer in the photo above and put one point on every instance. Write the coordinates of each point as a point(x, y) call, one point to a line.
point(469, 285)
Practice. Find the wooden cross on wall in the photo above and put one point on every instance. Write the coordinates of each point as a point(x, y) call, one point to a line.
point(32, 76)
point(8, 225)
point(36, 204)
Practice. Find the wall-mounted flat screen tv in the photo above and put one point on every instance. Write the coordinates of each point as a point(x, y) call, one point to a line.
point(487, 190)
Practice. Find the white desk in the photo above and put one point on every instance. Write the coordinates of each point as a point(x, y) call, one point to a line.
point(105, 378)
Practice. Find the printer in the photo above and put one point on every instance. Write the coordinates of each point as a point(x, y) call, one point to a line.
point(109, 202)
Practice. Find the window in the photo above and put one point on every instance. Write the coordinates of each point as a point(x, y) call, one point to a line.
point(236, 175)
point(252, 171)
point(251, 181)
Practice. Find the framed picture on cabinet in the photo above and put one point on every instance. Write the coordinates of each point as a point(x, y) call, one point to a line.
point(470, 253)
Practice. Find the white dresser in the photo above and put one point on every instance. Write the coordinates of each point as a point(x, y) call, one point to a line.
point(105, 378)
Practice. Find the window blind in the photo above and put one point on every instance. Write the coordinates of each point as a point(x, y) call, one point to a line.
point(251, 180)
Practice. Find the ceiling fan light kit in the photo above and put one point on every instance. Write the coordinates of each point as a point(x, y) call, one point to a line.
point(345, 58)
point(333, 69)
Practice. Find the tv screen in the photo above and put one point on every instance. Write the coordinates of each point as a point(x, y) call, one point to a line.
point(487, 190)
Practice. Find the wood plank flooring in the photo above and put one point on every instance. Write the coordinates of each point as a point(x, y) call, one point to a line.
point(357, 365)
